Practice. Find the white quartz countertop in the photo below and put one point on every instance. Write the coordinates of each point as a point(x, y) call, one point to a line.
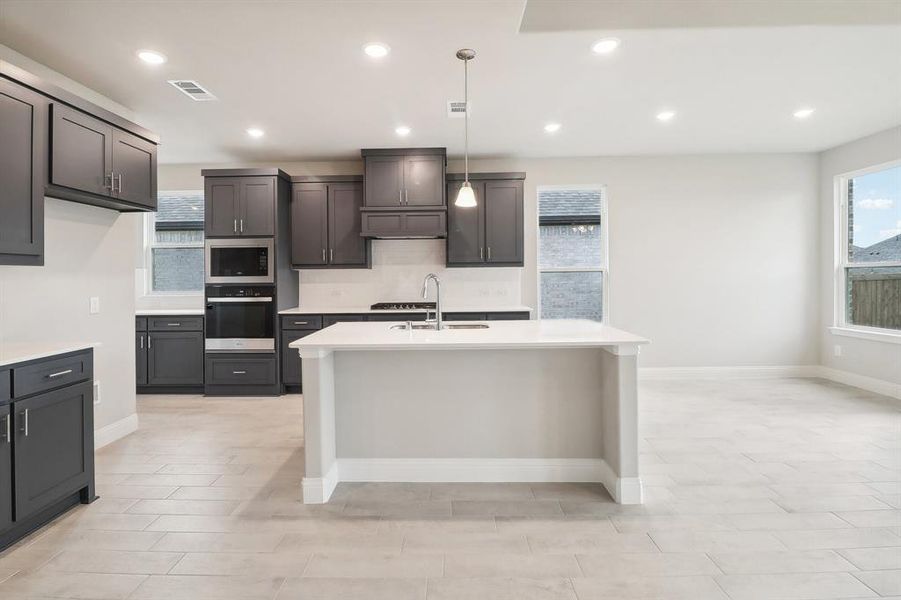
point(356, 310)
point(152, 312)
point(563, 333)
point(18, 352)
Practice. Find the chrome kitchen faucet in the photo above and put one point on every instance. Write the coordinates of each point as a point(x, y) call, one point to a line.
point(425, 295)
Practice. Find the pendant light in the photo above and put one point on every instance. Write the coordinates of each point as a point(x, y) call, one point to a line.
point(466, 198)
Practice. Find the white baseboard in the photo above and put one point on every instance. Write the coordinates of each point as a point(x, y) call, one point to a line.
point(625, 490)
point(764, 372)
point(436, 470)
point(870, 384)
point(317, 490)
point(115, 431)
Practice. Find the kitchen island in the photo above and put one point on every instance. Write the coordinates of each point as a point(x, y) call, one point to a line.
point(525, 401)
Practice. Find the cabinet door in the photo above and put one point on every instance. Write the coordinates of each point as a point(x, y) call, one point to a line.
point(54, 446)
point(23, 129)
point(309, 225)
point(503, 222)
point(141, 358)
point(257, 216)
point(291, 370)
point(175, 358)
point(134, 168)
point(346, 246)
point(221, 206)
point(81, 152)
point(466, 227)
point(424, 181)
point(6, 468)
point(384, 180)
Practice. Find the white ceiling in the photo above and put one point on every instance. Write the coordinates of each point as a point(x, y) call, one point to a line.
point(296, 69)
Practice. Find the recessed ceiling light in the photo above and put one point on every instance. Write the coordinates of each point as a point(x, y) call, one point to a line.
point(376, 50)
point(255, 132)
point(151, 57)
point(402, 131)
point(803, 113)
point(665, 115)
point(552, 127)
point(605, 46)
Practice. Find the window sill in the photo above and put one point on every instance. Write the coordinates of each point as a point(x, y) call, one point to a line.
point(867, 334)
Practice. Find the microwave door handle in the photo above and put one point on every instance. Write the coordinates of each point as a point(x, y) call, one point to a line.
point(234, 299)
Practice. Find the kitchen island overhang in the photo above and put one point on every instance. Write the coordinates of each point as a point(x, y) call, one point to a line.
point(524, 401)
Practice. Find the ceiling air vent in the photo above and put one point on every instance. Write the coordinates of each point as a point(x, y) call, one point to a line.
point(456, 109)
point(192, 90)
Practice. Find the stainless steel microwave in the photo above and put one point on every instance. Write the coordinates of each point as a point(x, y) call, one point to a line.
point(244, 260)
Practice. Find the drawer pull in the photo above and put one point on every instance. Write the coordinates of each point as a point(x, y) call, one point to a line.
point(9, 438)
point(239, 372)
point(174, 324)
point(301, 322)
point(25, 423)
point(60, 374)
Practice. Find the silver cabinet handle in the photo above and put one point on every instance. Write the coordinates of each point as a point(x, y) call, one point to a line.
point(400, 196)
point(406, 196)
point(173, 324)
point(142, 342)
point(481, 253)
point(9, 436)
point(489, 252)
point(301, 322)
point(119, 182)
point(149, 341)
point(331, 255)
point(236, 226)
point(242, 226)
point(25, 424)
point(60, 374)
point(239, 372)
point(323, 255)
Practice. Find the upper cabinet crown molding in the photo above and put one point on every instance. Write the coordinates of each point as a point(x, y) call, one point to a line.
point(251, 172)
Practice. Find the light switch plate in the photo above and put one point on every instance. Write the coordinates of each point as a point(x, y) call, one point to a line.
point(95, 305)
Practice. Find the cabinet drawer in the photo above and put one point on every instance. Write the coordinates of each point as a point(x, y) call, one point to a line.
point(464, 316)
point(508, 316)
point(301, 321)
point(411, 224)
point(140, 323)
point(52, 373)
point(328, 320)
point(240, 370)
point(175, 323)
point(5, 386)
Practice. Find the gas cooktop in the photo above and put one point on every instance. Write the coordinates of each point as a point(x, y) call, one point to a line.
point(403, 306)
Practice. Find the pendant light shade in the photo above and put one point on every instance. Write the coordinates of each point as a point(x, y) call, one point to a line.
point(466, 198)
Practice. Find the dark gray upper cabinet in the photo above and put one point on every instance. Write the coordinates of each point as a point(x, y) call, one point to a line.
point(134, 169)
point(93, 162)
point(326, 223)
point(491, 233)
point(309, 225)
point(404, 177)
point(54, 449)
point(23, 129)
point(6, 467)
point(175, 358)
point(240, 206)
point(346, 246)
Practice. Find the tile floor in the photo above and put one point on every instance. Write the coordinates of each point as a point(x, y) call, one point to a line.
point(756, 489)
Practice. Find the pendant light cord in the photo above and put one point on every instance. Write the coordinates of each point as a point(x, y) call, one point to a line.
point(466, 122)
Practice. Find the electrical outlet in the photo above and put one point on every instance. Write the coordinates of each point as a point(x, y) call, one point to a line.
point(95, 305)
point(837, 350)
point(96, 393)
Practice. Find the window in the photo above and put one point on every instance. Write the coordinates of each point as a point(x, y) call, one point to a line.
point(572, 253)
point(868, 273)
point(175, 244)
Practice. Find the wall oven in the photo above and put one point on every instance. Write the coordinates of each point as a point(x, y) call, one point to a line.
point(240, 261)
point(240, 318)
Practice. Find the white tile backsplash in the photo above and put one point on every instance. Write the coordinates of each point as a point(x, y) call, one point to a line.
point(398, 268)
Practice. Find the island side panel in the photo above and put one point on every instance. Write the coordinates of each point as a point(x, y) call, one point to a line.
point(619, 398)
point(321, 474)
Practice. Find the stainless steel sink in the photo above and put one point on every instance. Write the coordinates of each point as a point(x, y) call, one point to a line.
point(446, 326)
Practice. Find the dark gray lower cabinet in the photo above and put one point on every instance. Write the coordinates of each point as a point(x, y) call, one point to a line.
point(141, 357)
point(46, 442)
point(291, 371)
point(6, 471)
point(54, 455)
point(175, 358)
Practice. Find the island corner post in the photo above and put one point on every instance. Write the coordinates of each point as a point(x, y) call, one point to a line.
point(378, 414)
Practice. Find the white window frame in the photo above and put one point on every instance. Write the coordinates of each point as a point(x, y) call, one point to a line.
point(150, 243)
point(604, 269)
point(841, 326)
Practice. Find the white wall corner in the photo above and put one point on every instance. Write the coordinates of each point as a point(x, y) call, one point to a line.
point(318, 490)
point(115, 431)
point(624, 490)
